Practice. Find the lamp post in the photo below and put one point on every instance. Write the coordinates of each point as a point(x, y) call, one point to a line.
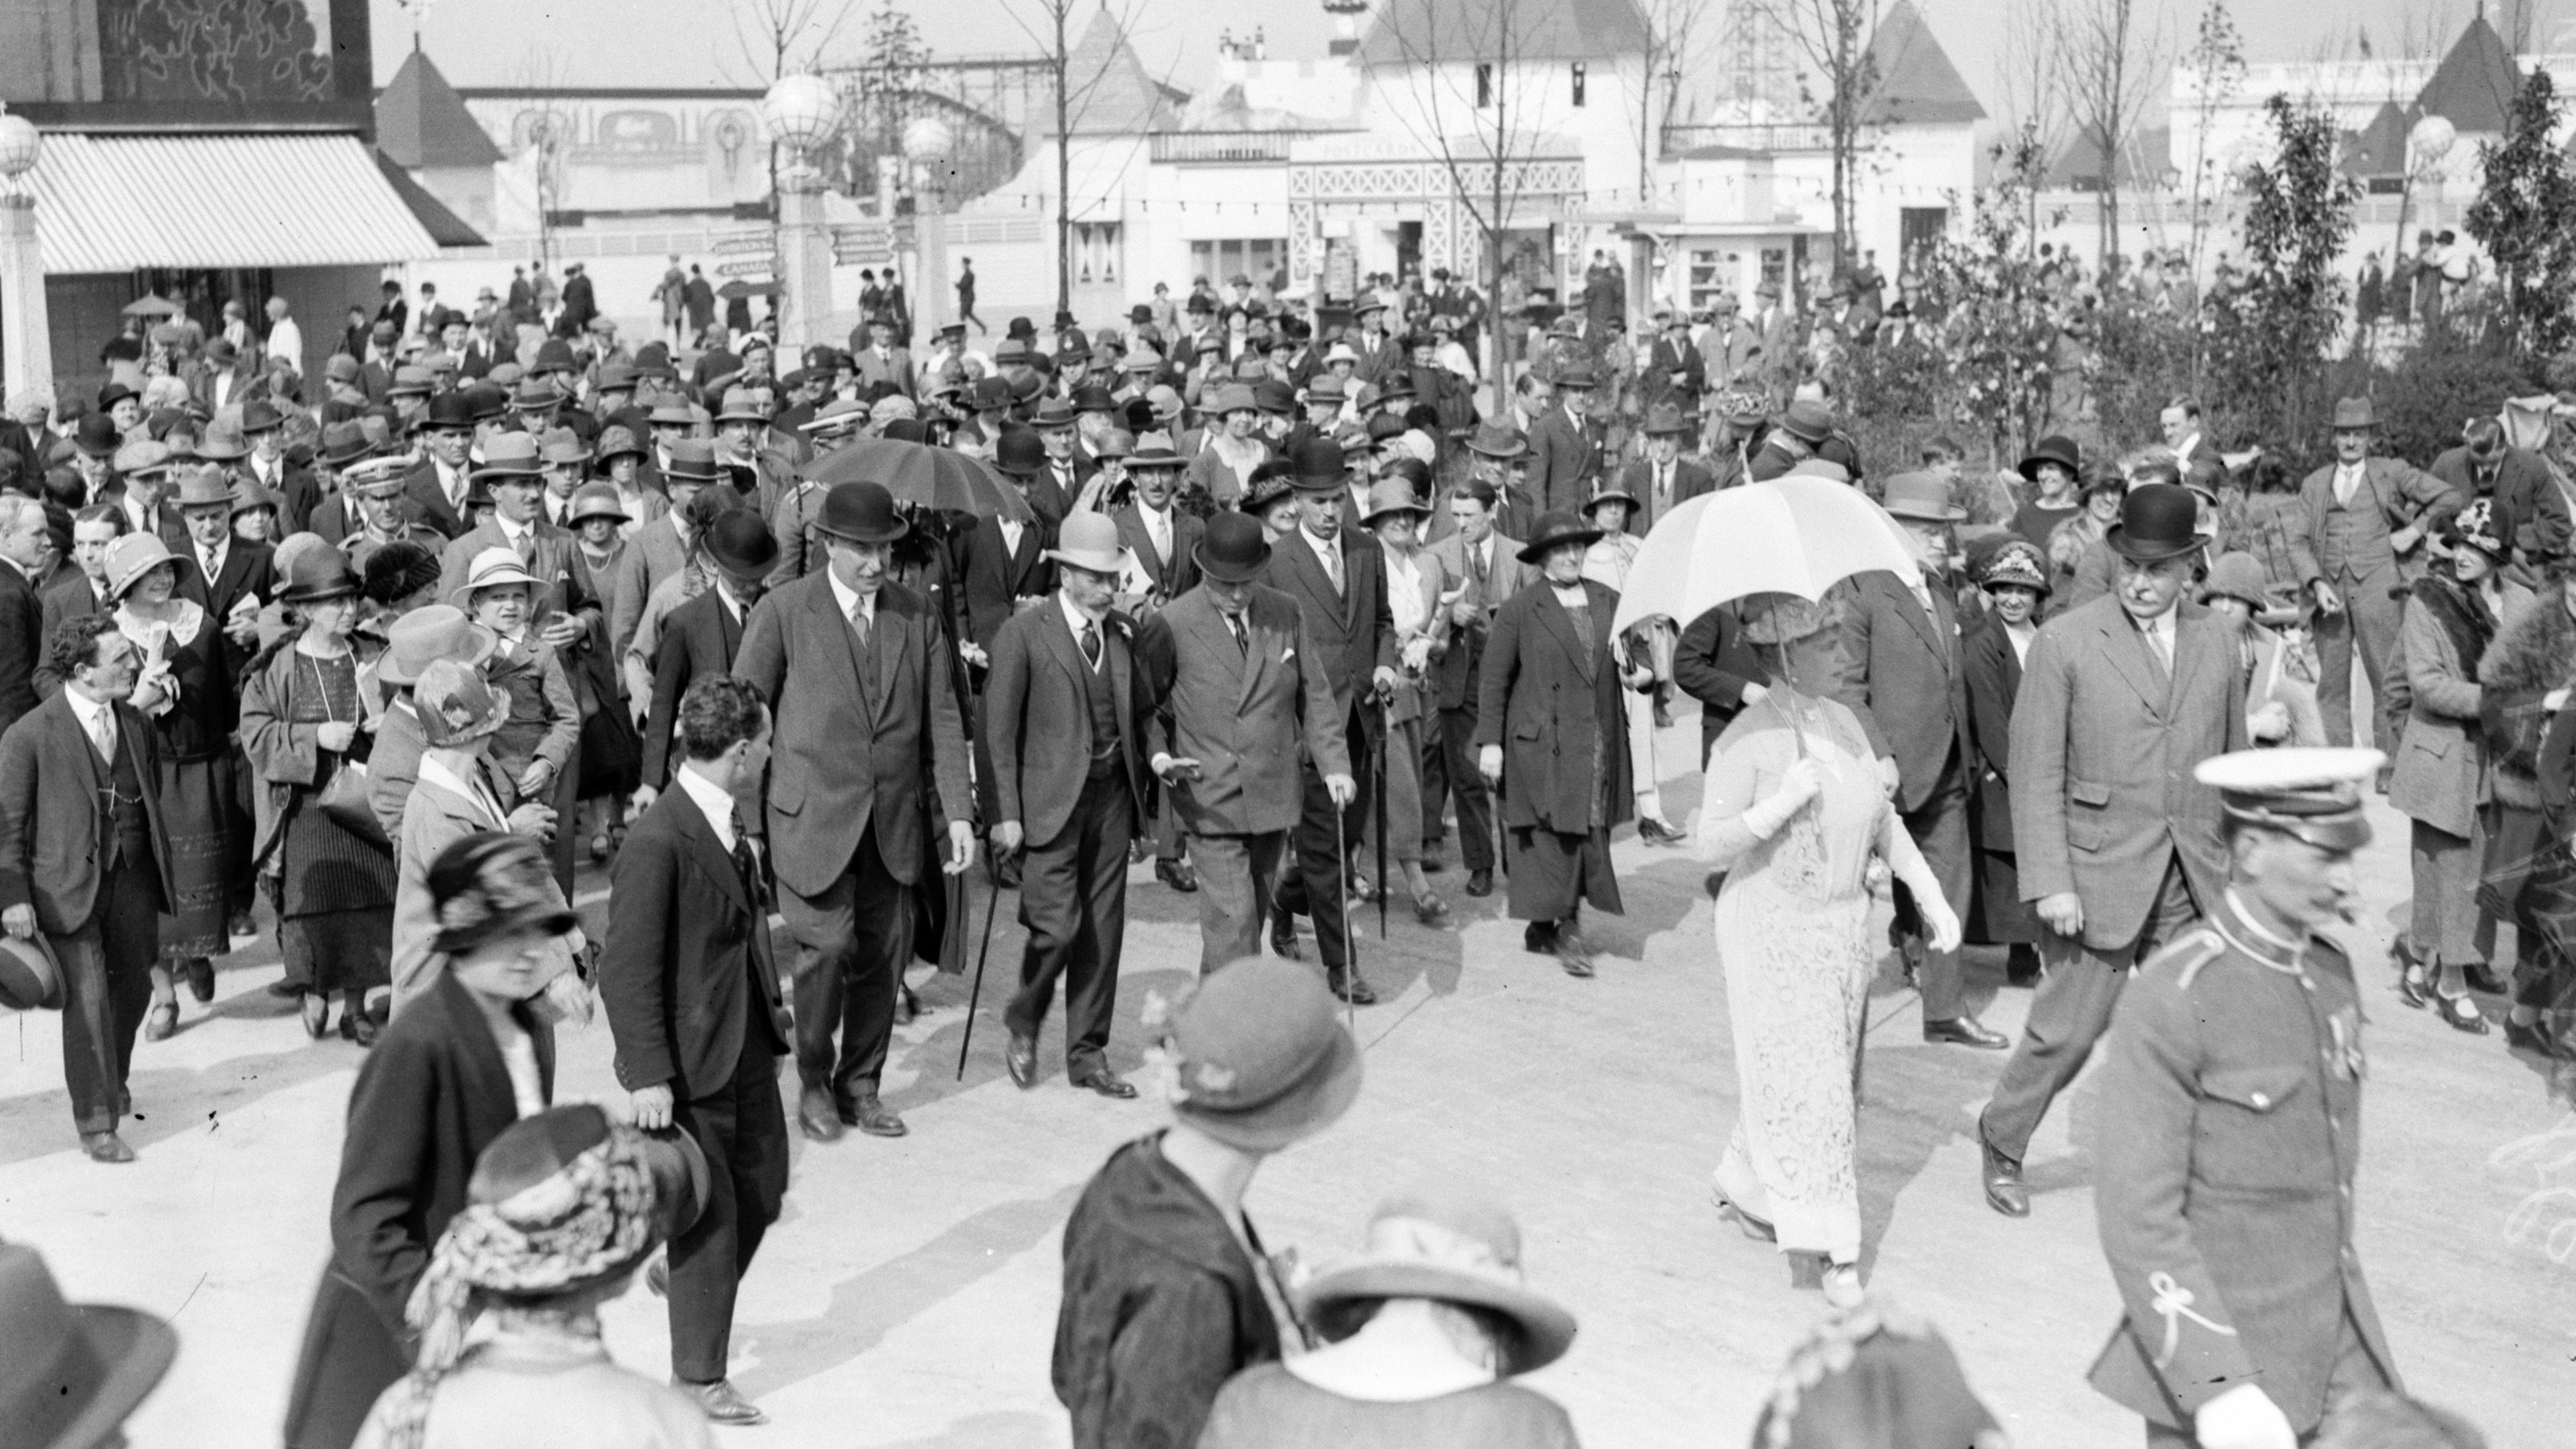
point(25, 345)
point(799, 114)
point(926, 143)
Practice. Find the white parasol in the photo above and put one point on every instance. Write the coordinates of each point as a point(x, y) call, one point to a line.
point(1791, 536)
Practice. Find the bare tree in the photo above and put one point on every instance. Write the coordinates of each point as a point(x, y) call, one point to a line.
point(2115, 59)
point(2217, 65)
point(1048, 23)
point(547, 136)
point(1834, 36)
point(784, 37)
point(1677, 42)
point(2034, 96)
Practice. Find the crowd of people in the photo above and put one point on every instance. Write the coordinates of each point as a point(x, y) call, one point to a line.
point(1290, 601)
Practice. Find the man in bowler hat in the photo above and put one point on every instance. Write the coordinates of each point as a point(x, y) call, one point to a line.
point(869, 765)
point(2116, 842)
point(1065, 706)
point(85, 859)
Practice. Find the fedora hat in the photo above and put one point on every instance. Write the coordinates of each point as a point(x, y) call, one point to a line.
point(142, 459)
point(1393, 495)
point(511, 455)
point(1154, 450)
point(1808, 420)
point(30, 978)
point(493, 568)
point(1020, 452)
point(739, 541)
point(1326, 388)
point(1273, 396)
point(1665, 417)
point(411, 382)
point(1554, 528)
point(1451, 1248)
point(343, 443)
point(1497, 440)
point(1320, 465)
point(223, 442)
point(1922, 496)
point(615, 377)
point(249, 497)
point(671, 413)
point(204, 486)
point(861, 512)
point(595, 500)
point(2351, 413)
point(693, 460)
point(2057, 449)
point(1258, 1055)
point(562, 445)
point(1055, 412)
point(2157, 521)
point(742, 405)
point(428, 634)
point(1089, 540)
point(74, 1370)
point(457, 706)
point(259, 415)
point(1235, 548)
point(320, 574)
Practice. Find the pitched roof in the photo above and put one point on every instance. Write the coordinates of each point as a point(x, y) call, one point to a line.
point(2379, 149)
point(444, 226)
point(1917, 84)
point(2475, 84)
point(1107, 88)
point(421, 123)
point(1414, 32)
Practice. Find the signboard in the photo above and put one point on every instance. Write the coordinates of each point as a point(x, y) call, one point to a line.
point(186, 64)
point(757, 267)
point(735, 243)
point(863, 244)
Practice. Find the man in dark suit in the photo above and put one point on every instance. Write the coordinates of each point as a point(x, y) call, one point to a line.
point(1565, 446)
point(871, 759)
point(1249, 696)
point(1337, 576)
point(85, 858)
point(880, 359)
point(1065, 706)
point(2183, 432)
point(23, 544)
point(2526, 499)
point(437, 487)
point(2121, 699)
point(1478, 552)
point(1162, 546)
point(228, 578)
point(691, 986)
point(704, 635)
point(1906, 679)
point(1663, 477)
point(1004, 567)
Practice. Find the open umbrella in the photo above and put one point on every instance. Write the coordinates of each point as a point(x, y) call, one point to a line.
point(152, 304)
point(1789, 536)
point(924, 476)
point(740, 288)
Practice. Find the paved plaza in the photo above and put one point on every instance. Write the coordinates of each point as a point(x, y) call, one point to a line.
point(908, 1296)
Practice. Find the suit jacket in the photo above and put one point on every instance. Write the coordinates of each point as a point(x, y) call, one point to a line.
point(1689, 481)
point(2102, 759)
point(652, 555)
point(700, 638)
point(67, 595)
point(1352, 626)
point(1454, 673)
point(429, 499)
point(895, 368)
point(1712, 663)
point(1902, 677)
point(689, 975)
point(50, 818)
point(847, 759)
point(247, 570)
point(1548, 694)
point(22, 643)
point(557, 560)
point(1248, 715)
point(2528, 502)
point(220, 390)
point(996, 577)
point(1564, 459)
point(1173, 576)
point(1037, 718)
point(433, 817)
point(2403, 495)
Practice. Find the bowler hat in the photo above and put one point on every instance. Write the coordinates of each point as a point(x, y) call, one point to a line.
point(2352, 413)
point(1554, 528)
point(74, 1370)
point(2057, 449)
point(449, 410)
point(2157, 521)
point(98, 436)
point(1091, 397)
point(740, 542)
point(30, 978)
point(1321, 465)
point(1259, 1057)
point(1923, 496)
point(1020, 452)
point(1234, 549)
point(1449, 1248)
point(1089, 540)
point(487, 399)
point(861, 512)
point(432, 632)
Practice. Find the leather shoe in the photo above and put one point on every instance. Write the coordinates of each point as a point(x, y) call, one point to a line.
point(722, 1403)
point(317, 1014)
point(2021, 965)
point(1656, 832)
point(2482, 978)
point(1106, 1082)
point(1480, 883)
point(106, 1147)
point(1966, 1031)
point(906, 1006)
point(1430, 910)
point(201, 978)
point(1573, 953)
point(816, 1114)
point(1347, 986)
point(1178, 875)
point(161, 1021)
point(870, 1116)
point(1021, 1056)
point(1283, 938)
point(2006, 1193)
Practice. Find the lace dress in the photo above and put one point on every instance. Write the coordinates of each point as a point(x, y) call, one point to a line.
point(1792, 937)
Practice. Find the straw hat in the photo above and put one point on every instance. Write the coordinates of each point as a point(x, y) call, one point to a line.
point(493, 568)
point(132, 555)
point(1452, 1248)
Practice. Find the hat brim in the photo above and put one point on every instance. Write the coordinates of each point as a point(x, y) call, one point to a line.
point(1096, 562)
point(1228, 575)
point(1335, 1299)
point(1945, 513)
point(30, 978)
point(2029, 467)
point(2117, 540)
point(485, 643)
point(854, 535)
point(136, 1350)
point(1540, 548)
point(534, 472)
point(1320, 482)
point(346, 587)
point(739, 564)
point(1610, 495)
point(1519, 451)
point(540, 918)
point(1305, 1109)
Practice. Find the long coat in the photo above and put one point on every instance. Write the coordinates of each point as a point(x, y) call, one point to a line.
point(430, 1096)
point(701, 637)
point(850, 760)
point(2440, 776)
point(689, 975)
point(22, 643)
point(1564, 459)
point(1551, 700)
point(1246, 715)
point(2102, 760)
point(1994, 681)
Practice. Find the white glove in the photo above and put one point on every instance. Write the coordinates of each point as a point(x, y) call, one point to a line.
point(2244, 1417)
point(1798, 785)
point(1941, 928)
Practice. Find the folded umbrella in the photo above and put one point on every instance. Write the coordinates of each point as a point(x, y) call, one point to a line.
point(1788, 536)
point(924, 476)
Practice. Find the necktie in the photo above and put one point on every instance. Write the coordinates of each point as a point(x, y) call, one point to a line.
point(206, 561)
point(103, 732)
point(1161, 530)
point(2162, 647)
point(525, 545)
point(1242, 641)
point(859, 622)
point(1333, 566)
point(1091, 643)
point(744, 865)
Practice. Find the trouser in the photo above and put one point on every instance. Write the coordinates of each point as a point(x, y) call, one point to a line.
point(1167, 828)
point(1235, 876)
point(1073, 901)
point(742, 1130)
point(107, 985)
point(2078, 987)
point(2370, 617)
point(851, 944)
point(1643, 777)
point(2355, 1371)
point(1315, 887)
point(1475, 802)
point(1940, 830)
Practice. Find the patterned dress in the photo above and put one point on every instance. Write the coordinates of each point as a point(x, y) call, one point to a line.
point(335, 890)
point(196, 782)
point(1792, 934)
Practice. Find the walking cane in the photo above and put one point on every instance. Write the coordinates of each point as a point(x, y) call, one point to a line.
point(992, 903)
point(1350, 952)
point(1387, 727)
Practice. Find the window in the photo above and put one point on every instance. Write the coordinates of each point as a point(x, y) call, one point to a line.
point(1256, 257)
point(1095, 252)
point(1578, 83)
point(1484, 85)
point(1921, 229)
point(1712, 275)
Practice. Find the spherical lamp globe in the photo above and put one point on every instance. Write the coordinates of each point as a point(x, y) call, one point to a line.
point(20, 145)
point(927, 138)
point(2432, 138)
point(801, 111)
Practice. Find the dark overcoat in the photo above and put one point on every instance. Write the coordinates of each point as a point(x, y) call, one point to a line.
point(1993, 671)
point(1551, 700)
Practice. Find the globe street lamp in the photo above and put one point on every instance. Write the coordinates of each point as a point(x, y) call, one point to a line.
point(25, 347)
point(800, 114)
point(927, 142)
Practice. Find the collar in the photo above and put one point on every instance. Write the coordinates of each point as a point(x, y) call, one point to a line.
point(1075, 619)
point(86, 710)
point(716, 804)
point(436, 772)
point(1326, 549)
point(849, 598)
point(222, 551)
point(2241, 931)
point(513, 532)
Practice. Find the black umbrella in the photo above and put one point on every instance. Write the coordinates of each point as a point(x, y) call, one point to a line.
point(923, 476)
point(740, 288)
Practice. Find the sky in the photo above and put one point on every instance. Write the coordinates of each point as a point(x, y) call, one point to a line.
point(693, 43)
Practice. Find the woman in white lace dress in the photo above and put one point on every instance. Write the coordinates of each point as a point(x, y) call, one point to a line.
point(1795, 816)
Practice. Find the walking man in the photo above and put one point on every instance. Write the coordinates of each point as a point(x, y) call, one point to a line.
point(2121, 699)
point(870, 755)
point(1065, 709)
point(1491, 566)
point(2367, 520)
point(966, 296)
point(691, 985)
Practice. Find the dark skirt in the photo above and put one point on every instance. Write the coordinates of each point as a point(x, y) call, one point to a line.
point(349, 1358)
point(196, 807)
point(335, 909)
point(1552, 874)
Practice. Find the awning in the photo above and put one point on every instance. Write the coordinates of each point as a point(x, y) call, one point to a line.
point(117, 203)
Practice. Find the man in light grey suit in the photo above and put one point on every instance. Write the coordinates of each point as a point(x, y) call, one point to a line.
point(1490, 564)
point(2117, 842)
point(2367, 520)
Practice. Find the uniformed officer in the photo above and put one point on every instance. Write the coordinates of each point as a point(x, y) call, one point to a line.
point(2224, 1194)
point(380, 513)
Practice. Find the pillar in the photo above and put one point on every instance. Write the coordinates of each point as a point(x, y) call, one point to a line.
point(26, 343)
point(804, 261)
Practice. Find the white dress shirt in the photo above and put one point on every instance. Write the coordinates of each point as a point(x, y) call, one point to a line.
point(1158, 527)
point(852, 602)
point(1076, 620)
point(2347, 482)
point(94, 715)
point(715, 803)
point(2159, 632)
point(1328, 552)
point(1411, 612)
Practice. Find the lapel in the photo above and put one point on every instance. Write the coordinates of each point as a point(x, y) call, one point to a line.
point(1058, 634)
point(1217, 639)
point(2192, 646)
point(1309, 573)
point(728, 631)
point(1561, 624)
point(487, 1077)
point(1353, 557)
point(827, 613)
point(700, 837)
point(2126, 647)
point(887, 638)
point(1901, 601)
point(1140, 541)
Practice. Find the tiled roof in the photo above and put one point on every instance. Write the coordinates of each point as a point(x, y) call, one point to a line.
point(1917, 84)
point(1409, 32)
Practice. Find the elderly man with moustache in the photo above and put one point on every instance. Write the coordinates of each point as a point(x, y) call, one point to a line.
point(2367, 521)
point(869, 761)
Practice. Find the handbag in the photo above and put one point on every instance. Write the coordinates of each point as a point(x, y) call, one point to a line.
point(343, 799)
